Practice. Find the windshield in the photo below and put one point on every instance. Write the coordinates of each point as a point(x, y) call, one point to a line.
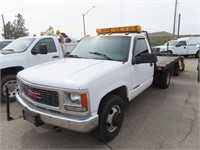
point(19, 45)
point(171, 43)
point(102, 47)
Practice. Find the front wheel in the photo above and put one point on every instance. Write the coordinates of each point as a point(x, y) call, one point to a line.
point(111, 115)
point(9, 81)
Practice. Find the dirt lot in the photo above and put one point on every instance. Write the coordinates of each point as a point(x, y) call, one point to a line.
point(156, 119)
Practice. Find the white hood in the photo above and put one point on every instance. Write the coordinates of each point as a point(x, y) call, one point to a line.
point(164, 48)
point(12, 60)
point(70, 73)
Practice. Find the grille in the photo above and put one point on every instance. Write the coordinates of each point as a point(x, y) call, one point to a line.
point(41, 96)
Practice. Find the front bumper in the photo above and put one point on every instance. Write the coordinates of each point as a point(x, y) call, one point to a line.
point(81, 124)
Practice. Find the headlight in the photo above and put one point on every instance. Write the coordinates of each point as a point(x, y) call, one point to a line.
point(76, 102)
point(75, 98)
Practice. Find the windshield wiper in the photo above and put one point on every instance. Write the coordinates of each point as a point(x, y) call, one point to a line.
point(100, 54)
point(10, 50)
point(73, 56)
point(7, 51)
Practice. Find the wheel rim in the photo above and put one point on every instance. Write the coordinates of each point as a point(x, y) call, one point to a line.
point(114, 118)
point(12, 88)
point(180, 65)
point(168, 78)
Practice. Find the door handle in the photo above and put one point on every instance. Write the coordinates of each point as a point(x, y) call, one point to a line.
point(55, 56)
point(184, 47)
point(151, 64)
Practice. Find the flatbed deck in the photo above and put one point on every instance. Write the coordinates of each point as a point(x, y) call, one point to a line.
point(166, 66)
point(166, 61)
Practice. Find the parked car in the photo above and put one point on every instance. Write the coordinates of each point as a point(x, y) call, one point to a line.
point(182, 46)
point(4, 43)
point(25, 52)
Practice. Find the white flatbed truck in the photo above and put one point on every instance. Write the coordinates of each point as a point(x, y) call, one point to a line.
point(88, 90)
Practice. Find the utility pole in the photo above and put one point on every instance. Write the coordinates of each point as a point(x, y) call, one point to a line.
point(4, 27)
point(175, 12)
point(179, 19)
point(84, 19)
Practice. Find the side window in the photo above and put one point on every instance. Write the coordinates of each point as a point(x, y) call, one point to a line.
point(4, 44)
point(181, 43)
point(140, 47)
point(49, 43)
point(0, 46)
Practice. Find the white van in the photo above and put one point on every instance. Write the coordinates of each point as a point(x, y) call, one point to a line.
point(182, 46)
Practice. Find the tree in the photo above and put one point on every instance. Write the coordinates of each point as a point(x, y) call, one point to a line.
point(9, 31)
point(16, 29)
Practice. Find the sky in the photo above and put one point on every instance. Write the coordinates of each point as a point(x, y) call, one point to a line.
point(66, 15)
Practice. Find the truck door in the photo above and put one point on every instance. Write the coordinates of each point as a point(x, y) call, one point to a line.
point(141, 73)
point(52, 54)
point(180, 48)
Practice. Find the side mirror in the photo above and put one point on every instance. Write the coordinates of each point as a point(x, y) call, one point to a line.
point(145, 58)
point(68, 40)
point(66, 54)
point(34, 51)
point(43, 49)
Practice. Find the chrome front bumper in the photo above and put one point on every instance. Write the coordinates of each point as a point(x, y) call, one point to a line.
point(81, 124)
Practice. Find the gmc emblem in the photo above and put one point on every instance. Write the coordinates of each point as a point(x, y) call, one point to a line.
point(34, 95)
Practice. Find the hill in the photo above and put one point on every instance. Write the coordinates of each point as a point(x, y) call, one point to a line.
point(160, 34)
point(159, 38)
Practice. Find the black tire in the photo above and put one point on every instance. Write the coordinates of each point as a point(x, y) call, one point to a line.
point(197, 54)
point(181, 65)
point(9, 81)
point(169, 52)
point(156, 79)
point(176, 70)
point(111, 115)
point(165, 78)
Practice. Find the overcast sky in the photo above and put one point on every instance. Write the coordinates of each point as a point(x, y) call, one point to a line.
point(66, 15)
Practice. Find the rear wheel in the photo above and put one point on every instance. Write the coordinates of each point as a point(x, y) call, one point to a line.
point(176, 70)
point(156, 79)
point(197, 54)
point(165, 78)
point(111, 115)
point(198, 77)
point(9, 81)
point(169, 52)
point(182, 64)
